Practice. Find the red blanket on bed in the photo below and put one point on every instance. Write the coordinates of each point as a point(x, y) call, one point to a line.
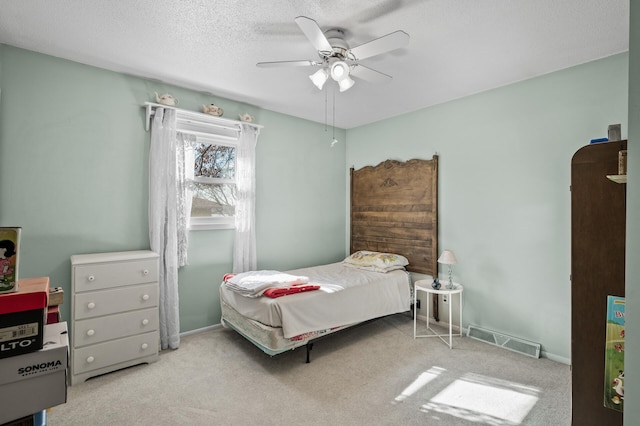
point(274, 292)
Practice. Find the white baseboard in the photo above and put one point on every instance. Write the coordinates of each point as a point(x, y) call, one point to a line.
point(200, 330)
point(423, 319)
point(554, 357)
point(543, 354)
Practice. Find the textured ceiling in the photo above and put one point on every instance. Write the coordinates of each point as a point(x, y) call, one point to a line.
point(457, 47)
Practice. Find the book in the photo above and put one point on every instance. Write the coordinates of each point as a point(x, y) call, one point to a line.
point(614, 354)
point(9, 258)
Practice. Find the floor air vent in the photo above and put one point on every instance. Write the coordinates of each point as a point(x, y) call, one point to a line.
point(508, 342)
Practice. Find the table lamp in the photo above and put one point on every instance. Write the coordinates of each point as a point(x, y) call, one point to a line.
point(448, 258)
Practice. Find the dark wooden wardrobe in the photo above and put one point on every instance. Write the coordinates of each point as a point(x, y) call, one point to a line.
point(598, 215)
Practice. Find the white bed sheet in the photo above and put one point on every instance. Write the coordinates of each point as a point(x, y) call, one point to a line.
point(346, 296)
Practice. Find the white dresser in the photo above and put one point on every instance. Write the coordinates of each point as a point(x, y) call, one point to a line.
point(114, 312)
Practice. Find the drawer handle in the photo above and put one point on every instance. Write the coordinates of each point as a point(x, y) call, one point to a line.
point(145, 321)
point(90, 332)
point(145, 297)
point(91, 305)
point(90, 359)
point(91, 278)
point(146, 272)
point(144, 346)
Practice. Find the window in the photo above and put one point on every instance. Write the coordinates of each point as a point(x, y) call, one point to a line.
point(211, 155)
point(214, 188)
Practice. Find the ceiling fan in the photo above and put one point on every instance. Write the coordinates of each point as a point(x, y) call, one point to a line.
point(338, 60)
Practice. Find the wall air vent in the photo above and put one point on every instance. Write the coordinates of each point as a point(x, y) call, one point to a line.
point(508, 342)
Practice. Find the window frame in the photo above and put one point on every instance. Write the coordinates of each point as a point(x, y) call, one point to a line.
point(205, 223)
point(209, 134)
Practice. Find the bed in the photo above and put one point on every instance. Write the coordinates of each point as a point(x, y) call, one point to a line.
point(393, 232)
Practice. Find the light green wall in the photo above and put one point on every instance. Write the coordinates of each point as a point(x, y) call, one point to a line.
point(504, 200)
point(632, 290)
point(73, 174)
point(301, 194)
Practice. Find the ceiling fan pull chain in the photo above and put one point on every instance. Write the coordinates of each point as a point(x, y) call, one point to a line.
point(326, 109)
point(333, 126)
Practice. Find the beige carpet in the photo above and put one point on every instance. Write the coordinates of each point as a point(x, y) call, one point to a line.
point(372, 374)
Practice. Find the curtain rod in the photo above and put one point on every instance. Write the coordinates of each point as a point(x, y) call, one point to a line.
point(225, 123)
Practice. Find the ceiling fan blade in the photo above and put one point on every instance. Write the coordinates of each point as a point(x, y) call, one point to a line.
point(368, 74)
point(287, 64)
point(312, 30)
point(386, 43)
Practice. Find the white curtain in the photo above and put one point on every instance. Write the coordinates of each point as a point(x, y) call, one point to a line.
point(184, 182)
point(244, 251)
point(167, 217)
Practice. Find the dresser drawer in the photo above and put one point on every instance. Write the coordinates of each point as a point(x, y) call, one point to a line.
point(110, 327)
point(113, 352)
point(106, 275)
point(105, 302)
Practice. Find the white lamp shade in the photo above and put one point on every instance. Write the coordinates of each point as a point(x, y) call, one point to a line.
point(345, 84)
point(319, 77)
point(447, 258)
point(339, 70)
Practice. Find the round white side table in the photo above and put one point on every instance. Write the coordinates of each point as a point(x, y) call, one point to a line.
point(425, 285)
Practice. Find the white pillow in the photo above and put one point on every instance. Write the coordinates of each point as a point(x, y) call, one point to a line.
point(374, 268)
point(376, 261)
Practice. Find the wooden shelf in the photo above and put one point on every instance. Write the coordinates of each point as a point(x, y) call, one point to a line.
point(618, 178)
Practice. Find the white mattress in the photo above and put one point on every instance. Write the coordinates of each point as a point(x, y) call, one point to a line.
point(269, 339)
point(346, 296)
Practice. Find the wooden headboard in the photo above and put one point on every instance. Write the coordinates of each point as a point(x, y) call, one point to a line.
point(394, 209)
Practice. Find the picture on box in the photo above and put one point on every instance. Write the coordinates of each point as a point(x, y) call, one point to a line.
point(9, 247)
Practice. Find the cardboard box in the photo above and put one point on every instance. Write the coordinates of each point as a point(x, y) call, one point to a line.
point(36, 381)
point(22, 317)
point(56, 296)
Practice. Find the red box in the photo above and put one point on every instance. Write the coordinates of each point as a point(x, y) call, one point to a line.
point(53, 314)
point(22, 317)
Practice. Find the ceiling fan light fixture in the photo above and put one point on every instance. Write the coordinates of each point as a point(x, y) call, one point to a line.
point(319, 77)
point(345, 84)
